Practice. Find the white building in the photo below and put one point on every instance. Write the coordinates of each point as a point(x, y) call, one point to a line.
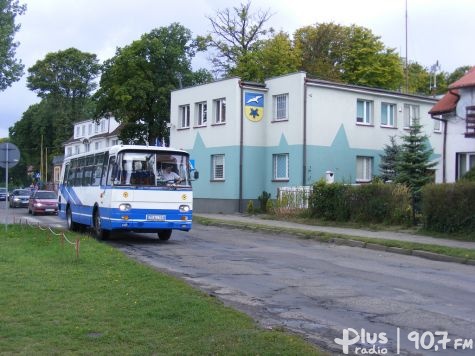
point(455, 112)
point(246, 138)
point(90, 136)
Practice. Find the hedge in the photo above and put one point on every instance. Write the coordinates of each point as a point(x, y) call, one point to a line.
point(449, 207)
point(373, 203)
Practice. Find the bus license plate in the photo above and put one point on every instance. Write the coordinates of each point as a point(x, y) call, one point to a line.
point(155, 217)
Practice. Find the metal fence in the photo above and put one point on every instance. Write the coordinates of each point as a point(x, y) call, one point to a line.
point(294, 197)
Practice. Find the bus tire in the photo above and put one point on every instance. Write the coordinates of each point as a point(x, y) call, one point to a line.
point(99, 232)
point(164, 235)
point(72, 226)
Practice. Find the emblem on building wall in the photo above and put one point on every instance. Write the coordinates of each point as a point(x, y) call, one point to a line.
point(254, 106)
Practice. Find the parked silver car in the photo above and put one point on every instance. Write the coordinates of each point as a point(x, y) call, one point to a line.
point(3, 193)
point(19, 198)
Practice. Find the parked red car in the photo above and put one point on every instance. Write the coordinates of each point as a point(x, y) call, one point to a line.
point(43, 201)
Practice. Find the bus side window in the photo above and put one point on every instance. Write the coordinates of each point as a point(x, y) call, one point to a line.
point(66, 174)
point(111, 171)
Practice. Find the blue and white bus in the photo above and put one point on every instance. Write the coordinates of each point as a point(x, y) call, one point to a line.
point(127, 188)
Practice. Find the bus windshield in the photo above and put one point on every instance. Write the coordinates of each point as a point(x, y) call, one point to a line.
point(164, 169)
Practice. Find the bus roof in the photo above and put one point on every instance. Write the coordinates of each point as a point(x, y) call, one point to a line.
point(118, 148)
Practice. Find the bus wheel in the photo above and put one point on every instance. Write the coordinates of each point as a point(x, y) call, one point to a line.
point(164, 235)
point(72, 226)
point(100, 233)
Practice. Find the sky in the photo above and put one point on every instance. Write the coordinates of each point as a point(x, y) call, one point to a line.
point(438, 30)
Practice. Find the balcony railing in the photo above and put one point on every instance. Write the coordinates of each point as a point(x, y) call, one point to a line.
point(470, 121)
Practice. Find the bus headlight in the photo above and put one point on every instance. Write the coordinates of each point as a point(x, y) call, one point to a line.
point(184, 208)
point(125, 207)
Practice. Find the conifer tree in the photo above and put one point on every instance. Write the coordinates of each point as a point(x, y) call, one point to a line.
point(414, 165)
point(389, 161)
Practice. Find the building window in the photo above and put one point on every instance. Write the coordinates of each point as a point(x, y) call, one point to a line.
point(115, 142)
point(437, 126)
point(280, 166)
point(465, 162)
point(97, 145)
point(364, 169)
point(103, 125)
point(364, 112)
point(87, 147)
point(280, 107)
point(217, 165)
point(78, 131)
point(96, 128)
point(201, 114)
point(184, 116)
point(388, 115)
point(411, 115)
point(83, 130)
point(219, 111)
point(77, 149)
point(69, 151)
point(89, 129)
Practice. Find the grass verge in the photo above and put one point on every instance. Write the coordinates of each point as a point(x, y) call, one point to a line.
point(105, 303)
point(466, 254)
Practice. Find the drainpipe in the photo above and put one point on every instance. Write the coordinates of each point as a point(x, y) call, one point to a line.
point(304, 153)
point(241, 146)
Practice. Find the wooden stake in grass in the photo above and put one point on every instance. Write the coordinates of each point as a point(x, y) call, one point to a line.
point(77, 248)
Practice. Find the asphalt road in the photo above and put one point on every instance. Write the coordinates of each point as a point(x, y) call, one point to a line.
point(318, 289)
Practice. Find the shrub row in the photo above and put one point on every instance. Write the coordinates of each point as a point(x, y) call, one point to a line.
point(449, 207)
point(373, 203)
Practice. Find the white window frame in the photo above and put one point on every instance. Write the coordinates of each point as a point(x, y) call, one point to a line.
point(201, 114)
point(364, 169)
point(77, 149)
point(218, 167)
point(69, 151)
point(184, 116)
point(389, 110)
point(280, 107)
point(89, 129)
point(219, 106)
point(276, 167)
point(103, 125)
point(78, 131)
point(411, 115)
point(367, 114)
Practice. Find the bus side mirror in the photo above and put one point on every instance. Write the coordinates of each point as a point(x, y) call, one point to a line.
point(196, 175)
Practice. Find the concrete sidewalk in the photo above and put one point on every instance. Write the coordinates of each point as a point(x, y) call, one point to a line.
point(387, 235)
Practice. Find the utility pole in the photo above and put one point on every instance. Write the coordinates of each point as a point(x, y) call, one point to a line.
point(41, 159)
point(407, 68)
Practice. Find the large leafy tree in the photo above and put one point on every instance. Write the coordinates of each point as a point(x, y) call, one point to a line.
point(136, 83)
point(414, 164)
point(65, 80)
point(350, 54)
point(11, 69)
point(322, 49)
point(368, 62)
point(275, 56)
point(236, 34)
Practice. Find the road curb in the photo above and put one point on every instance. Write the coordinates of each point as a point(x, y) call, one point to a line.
point(340, 241)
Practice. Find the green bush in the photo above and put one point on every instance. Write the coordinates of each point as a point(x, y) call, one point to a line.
point(263, 199)
point(449, 207)
point(469, 176)
point(329, 201)
point(370, 203)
